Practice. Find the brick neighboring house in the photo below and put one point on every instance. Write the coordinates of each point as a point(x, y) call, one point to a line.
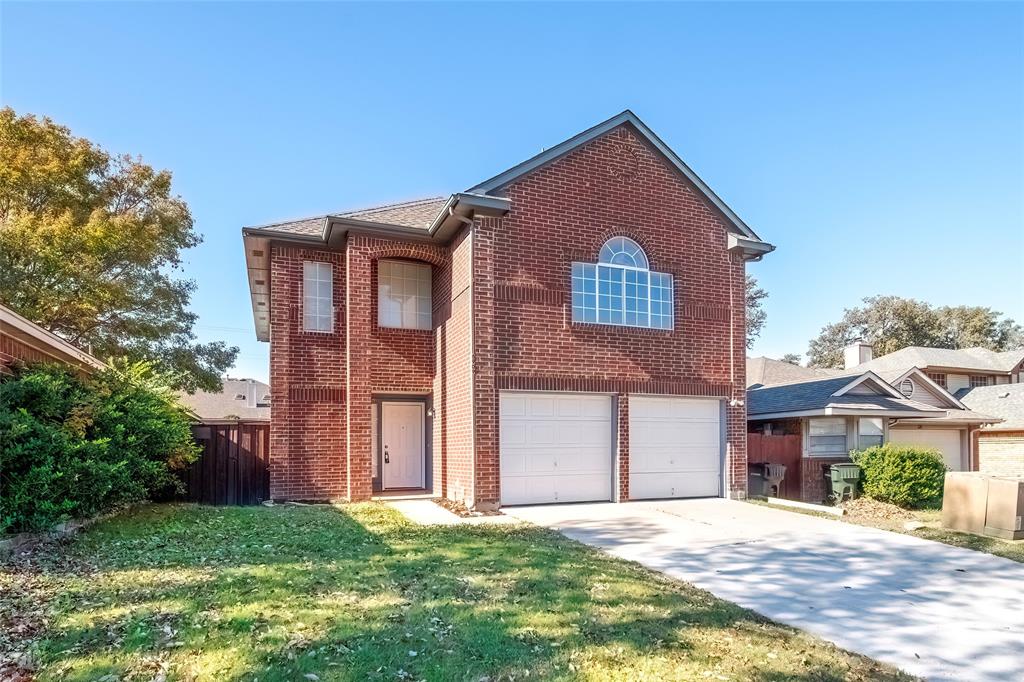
point(22, 340)
point(572, 329)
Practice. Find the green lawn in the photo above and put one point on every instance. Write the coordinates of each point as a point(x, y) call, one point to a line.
point(180, 592)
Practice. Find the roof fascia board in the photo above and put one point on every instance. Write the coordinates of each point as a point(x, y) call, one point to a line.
point(502, 179)
point(47, 339)
point(869, 376)
point(281, 236)
point(836, 412)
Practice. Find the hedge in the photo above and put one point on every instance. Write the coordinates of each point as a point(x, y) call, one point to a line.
point(907, 476)
point(74, 446)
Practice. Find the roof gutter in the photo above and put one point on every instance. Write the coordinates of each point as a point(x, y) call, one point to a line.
point(747, 248)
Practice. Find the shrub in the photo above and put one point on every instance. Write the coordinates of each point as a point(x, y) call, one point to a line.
point(906, 476)
point(73, 446)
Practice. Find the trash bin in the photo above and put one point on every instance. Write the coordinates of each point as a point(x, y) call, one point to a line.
point(756, 481)
point(843, 480)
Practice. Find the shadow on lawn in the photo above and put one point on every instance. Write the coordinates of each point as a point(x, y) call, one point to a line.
point(283, 593)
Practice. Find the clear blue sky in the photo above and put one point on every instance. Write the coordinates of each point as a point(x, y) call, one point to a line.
point(880, 147)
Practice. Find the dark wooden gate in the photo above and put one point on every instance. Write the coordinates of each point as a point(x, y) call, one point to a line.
point(778, 450)
point(233, 468)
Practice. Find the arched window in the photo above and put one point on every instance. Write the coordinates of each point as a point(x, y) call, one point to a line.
point(623, 251)
point(621, 289)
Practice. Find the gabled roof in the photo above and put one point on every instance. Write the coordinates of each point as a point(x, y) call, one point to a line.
point(630, 119)
point(834, 396)
point(438, 218)
point(1005, 401)
point(762, 371)
point(968, 359)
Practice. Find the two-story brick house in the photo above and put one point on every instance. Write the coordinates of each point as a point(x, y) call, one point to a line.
point(571, 329)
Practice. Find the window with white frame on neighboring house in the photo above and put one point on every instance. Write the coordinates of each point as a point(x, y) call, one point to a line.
point(826, 436)
point(403, 295)
point(317, 297)
point(870, 432)
point(938, 377)
point(621, 289)
point(980, 380)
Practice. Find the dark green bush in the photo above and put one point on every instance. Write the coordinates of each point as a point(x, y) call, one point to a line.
point(906, 476)
point(73, 446)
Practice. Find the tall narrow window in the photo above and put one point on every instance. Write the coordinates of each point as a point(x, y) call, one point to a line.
point(620, 289)
point(317, 297)
point(870, 432)
point(403, 295)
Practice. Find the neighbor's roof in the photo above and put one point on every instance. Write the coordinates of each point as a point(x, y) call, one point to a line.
point(1005, 401)
point(254, 403)
point(978, 359)
point(762, 371)
point(820, 395)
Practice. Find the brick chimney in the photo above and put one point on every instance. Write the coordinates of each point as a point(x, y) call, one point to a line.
point(857, 353)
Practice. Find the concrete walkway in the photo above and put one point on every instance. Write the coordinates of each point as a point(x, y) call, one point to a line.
point(937, 611)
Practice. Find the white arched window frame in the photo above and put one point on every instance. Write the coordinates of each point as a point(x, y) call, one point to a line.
point(621, 289)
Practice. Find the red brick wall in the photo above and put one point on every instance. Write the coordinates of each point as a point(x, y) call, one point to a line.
point(453, 389)
point(322, 385)
point(564, 212)
point(307, 383)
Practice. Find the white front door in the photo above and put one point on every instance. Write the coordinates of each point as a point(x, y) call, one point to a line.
point(675, 447)
point(402, 441)
point(555, 447)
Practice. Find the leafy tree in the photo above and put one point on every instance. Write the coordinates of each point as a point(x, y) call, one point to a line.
point(890, 323)
point(756, 315)
point(90, 248)
point(791, 358)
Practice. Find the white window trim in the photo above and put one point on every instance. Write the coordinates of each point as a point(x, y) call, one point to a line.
point(425, 267)
point(318, 268)
point(597, 291)
point(884, 434)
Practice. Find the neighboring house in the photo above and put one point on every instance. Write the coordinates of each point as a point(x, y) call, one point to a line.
point(823, 418)
point(571, 329)
point(239, 399)
point(762, 371)
point(24, 341)
point(998, 448)
point(953, 370)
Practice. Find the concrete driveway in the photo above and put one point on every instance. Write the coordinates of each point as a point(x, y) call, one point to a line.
point(936, 611)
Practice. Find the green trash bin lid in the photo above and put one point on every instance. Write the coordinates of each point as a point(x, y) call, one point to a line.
point(846, 471)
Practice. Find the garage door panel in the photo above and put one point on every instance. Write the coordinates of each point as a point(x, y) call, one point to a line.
point(662, 485)
point(555, 448)
point(946, 441)
point(674, 447)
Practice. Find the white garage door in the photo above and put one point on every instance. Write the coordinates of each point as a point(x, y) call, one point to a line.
point(555, 447)
point(946, 441)
point(675, 447)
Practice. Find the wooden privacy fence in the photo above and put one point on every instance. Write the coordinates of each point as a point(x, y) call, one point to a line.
point(233, 468)
point(785, 450)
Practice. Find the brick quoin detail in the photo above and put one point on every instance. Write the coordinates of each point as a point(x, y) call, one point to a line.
point(502, 321)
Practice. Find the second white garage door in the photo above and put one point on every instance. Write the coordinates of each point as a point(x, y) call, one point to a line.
point(946, 441)
point(675, 447)
point(555, 447)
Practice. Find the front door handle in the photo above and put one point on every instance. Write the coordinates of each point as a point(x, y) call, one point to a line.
point(387, 458)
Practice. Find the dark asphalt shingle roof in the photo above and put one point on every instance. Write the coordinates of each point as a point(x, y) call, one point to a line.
point(419, 214)
point(767, 372)
point(1005, 401)
point(816, 394)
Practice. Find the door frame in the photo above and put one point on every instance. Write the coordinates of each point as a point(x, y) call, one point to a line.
point(427, 401)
